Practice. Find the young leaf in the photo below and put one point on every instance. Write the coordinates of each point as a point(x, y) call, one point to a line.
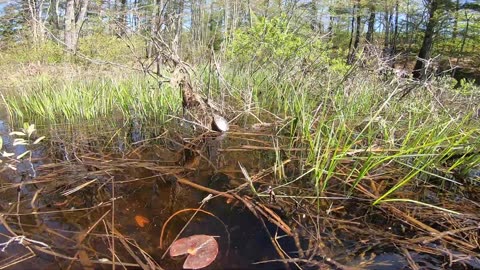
point(39, 140)
point(30, 129)
point(6, 154)
point(19, 142)
point(23, 154)
point(17, 133)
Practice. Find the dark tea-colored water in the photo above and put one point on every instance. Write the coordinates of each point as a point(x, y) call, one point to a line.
point(88, 192)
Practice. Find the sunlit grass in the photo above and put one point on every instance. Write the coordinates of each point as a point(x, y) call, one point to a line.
point(350, 128)
point(136, 96)
point(363, 121)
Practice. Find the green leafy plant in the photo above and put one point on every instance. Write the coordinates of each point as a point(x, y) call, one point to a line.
point(22, 137)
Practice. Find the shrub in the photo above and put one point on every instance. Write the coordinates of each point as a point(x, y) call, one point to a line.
point(275, 41)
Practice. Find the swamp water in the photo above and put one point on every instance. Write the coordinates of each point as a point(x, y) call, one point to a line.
point(93, 191)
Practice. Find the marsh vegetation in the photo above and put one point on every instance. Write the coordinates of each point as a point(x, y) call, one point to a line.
point(299, 134)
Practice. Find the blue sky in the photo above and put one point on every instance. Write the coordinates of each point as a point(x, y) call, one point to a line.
point(3, 3)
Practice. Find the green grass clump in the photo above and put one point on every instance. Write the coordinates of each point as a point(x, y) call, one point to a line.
point(53, 101)
point(358, 118)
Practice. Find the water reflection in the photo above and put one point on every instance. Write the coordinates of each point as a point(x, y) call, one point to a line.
point(89, 172)
point(140, 178)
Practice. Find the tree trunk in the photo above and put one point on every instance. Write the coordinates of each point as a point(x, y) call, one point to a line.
point(330, 26)
point(73, 24)
point(80, 19)
point(425, 50)
point(153, 29)
point(54, 16)
point(387, 19)
point(134, 23)
point(177, 41)
point(70, 25)
point(455, 20)
point(196, 22)
point(464, 35)
point(351, 50)
point(203, 22)
point(122, 18)
point(235, 14)
point(226, 16)
point(395, 30)
point(267, 6)
point(314, 23)
point(408, 35)
point(36, 24)
point(357, 34)
point(371, 25)
point(462, 46)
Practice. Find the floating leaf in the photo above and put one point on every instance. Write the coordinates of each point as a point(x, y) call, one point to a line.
point(201, 249)
point(141, 221)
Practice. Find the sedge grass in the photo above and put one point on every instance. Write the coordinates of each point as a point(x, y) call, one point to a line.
point(330, 115)
point(88, 100)
point(333, 120)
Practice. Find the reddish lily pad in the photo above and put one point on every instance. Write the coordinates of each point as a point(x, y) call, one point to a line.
point(201, 249)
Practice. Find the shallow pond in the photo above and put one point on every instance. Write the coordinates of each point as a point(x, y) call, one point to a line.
point(91, 191)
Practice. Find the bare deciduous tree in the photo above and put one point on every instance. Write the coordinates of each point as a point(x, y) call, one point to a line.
point(73, 23)
point(37, 25)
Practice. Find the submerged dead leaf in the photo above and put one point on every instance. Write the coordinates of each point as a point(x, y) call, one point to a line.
point(141, 221)
point(85, 261)
point(201, 249)
point(193, 163)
